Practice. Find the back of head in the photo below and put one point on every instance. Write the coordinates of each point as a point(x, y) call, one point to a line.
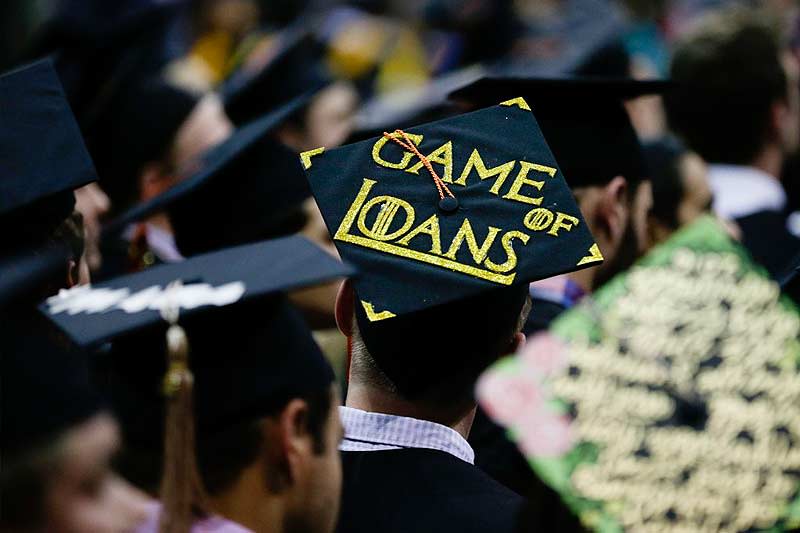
point(436, 354)
point(729, 73)
point(663, 158)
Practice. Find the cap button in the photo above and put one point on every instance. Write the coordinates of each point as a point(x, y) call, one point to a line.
point(448, 204)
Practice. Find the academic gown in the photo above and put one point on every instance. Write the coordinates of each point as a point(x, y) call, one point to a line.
point(422, 490)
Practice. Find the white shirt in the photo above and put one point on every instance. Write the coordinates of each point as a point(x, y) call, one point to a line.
point(367, 432)
point(740, 191)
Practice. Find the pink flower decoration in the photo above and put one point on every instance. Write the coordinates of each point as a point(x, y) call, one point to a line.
point(546, 353)
point(544, 434)
point(507, 395)
point(514, 394)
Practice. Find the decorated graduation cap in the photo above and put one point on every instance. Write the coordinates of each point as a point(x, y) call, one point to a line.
point(668, 401)
point(294, 70)
point(42, 154)
point(250, 187)
point(583, 120)
point(232, 342)
point(450, 209)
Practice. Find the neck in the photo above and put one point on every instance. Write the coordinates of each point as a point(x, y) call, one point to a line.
point(770, 160)
point(248, 504)
point(376, 400)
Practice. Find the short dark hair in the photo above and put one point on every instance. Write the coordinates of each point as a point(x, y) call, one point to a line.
point(663, 158)
point(435, 355)
point(223, 455)
point(729, 73)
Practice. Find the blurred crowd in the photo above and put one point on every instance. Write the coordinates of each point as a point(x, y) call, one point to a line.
point(189, 130)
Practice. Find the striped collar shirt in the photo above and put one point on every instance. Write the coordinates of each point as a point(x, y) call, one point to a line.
point(365, 431)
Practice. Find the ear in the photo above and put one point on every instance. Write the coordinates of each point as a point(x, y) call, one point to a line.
point(612, 209)
point(297, 444)
point(73, 273)
point(154, 180)
point(345, 302)
point(519, 341)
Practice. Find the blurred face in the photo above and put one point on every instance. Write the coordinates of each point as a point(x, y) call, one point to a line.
point(85, 495)
point(329, 119)
point(318, 505)
point(205, 127)
point(93, 204)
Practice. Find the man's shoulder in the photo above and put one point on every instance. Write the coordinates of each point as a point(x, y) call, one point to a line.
point(430, 488)
point(767, 236)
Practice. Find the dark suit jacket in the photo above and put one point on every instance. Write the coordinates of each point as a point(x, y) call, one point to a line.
point(418, 491)
point(769, 241)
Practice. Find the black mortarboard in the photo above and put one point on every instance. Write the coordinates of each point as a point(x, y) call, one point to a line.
point(294, 72)
point(583, 120)
point(512, 219)
point(24, 271)
point(42, 154)
point(139, 128)
point(45, 386)
point(247, 345)
point(249, 188)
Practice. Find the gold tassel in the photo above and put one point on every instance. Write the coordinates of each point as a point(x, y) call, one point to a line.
point(183, 496)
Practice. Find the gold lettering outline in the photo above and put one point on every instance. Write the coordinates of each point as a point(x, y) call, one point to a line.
point(372, 315)
point(519, 102)
point(593, 257)
point(305, 157)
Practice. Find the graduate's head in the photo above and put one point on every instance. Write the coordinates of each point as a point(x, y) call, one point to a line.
point(681, 192)
point(432, 357)
point(447, 224)
point(738, 87)
point(43, 159)
point(327, 120)
point(56, 473)
point(157, 134)
point(240, 403)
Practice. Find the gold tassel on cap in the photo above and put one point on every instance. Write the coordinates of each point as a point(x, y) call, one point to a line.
point(182, 493)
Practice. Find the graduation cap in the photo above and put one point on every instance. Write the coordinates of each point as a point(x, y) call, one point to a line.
point(42, 155)
point(232, 341)
point(250, 187)
point(26, 270)
point(667, 401)
point(295, 71)
point(450, 209)
point(583, 120)
point(101, 48)
point(45, 386)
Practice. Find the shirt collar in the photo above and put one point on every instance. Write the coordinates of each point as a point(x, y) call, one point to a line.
point(740, 191)
point(366, 431)
point(558, 289)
